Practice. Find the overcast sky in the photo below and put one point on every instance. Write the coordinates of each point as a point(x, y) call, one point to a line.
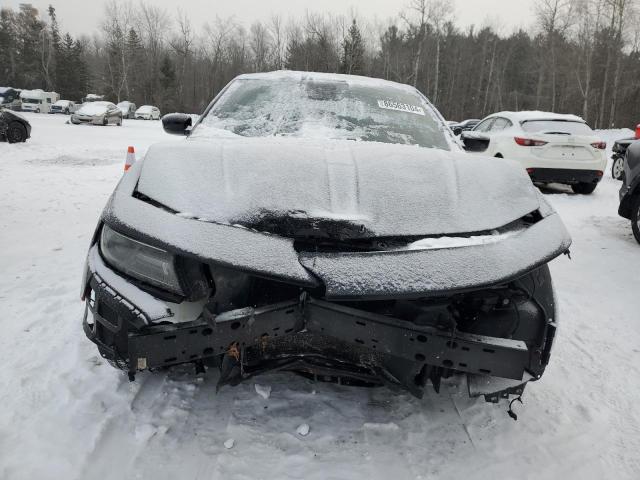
point(83, 16)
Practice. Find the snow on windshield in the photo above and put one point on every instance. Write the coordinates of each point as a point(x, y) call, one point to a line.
point(321, 109)
point(145, 109)
point(94, 108)
point(557, 126)
point(62, 103)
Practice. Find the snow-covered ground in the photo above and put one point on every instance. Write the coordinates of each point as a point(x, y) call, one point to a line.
point(65, 413)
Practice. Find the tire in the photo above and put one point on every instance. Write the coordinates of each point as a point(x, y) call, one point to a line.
point(584, 188)
point(635, 218)
point(119, 123)
point(16, 133)
point(37, 110)
point(105, 122)
point(617, 168)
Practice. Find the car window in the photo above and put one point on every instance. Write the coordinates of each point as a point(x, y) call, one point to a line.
point(484, 126)
point(319, 108)
point(500, 124)
point(566, 127)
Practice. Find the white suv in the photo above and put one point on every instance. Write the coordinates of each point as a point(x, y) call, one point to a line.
point(553, 148)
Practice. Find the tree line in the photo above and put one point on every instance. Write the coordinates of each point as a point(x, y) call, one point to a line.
point(578, 56)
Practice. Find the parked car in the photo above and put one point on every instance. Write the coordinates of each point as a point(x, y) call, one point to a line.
point(346, 238)
point(10, 98)
point(38, 101)
point(619, 151)
point(92, 97)
point(553, 148)
point(98, 113)
point(464, 126)
point(14, 128)
point(630, 191)
point(148, 112)
point(63, 106)
point(128, 109)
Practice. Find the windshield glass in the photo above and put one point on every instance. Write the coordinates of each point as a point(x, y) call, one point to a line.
point(557, 126)
point(31, 100)
point(334, 109)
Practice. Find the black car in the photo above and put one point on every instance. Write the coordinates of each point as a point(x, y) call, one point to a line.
point(619, 151)
point(630, 190)
point(14, 128)
point(464, 126)
point(327, 225)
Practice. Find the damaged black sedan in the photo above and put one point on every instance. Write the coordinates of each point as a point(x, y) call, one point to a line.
point(330, 226)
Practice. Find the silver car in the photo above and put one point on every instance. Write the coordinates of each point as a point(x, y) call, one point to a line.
point(128, 109)
point(98, 113)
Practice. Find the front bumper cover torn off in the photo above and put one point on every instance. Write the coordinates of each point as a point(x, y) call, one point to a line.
point(309, 335)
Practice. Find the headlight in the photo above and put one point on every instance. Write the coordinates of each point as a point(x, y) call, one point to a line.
point(141, 261)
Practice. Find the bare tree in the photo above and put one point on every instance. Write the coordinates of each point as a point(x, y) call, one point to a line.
point(182, 45)
point(260, 39)
point(554, 18)
point(277, 34)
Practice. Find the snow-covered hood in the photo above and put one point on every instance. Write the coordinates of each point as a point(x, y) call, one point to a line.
point(244, 203)
point(378, 190)
point(92, 109)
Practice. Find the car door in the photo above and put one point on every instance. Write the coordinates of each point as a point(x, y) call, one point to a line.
point(478, 139)
point(113, 114)
point(496, 134)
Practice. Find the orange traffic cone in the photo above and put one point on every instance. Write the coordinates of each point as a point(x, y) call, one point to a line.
point(131, 158)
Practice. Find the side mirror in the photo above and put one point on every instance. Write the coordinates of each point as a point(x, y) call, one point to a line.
point(176, 123)
point(457, 131)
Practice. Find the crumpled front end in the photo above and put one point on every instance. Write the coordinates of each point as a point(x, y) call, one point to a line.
point(340, 306)
point(248, 325)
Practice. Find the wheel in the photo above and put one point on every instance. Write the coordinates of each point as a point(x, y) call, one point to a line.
point(617, 168)
point(119, 123)
point(105, 122)
point(66, 112)
point(37, 110)
point(635, 218)
point(584, 188)
point(16, 133)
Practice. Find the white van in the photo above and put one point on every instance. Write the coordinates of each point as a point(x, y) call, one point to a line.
point(38, 100)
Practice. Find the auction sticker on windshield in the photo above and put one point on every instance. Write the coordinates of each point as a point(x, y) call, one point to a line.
point(401, 107)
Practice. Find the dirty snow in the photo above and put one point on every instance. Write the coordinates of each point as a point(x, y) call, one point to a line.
point(66, 414)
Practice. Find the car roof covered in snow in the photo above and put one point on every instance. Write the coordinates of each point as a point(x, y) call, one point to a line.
point(327, 77)
point(529, 115)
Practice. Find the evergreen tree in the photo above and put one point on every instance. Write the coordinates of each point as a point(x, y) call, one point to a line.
point(8, 47)
point(168, 83)
point(135, 53)
point(79, 85)
point(28, 38)
point(52, 50)
point(353, 52)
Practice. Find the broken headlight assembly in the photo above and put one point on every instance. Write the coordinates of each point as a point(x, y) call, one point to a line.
point(151, 265)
